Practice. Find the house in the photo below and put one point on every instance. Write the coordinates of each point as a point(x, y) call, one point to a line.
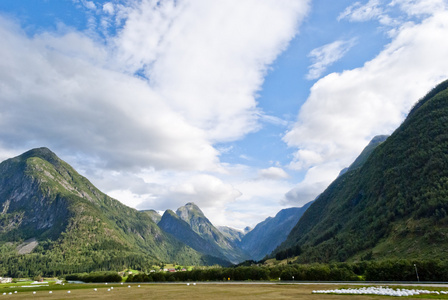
point(5, 279)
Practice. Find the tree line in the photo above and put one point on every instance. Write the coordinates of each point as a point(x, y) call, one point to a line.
point(387, 270)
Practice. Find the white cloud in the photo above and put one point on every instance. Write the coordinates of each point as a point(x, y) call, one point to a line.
point(420, 7)
point(108, 8)
point(316, 180)
point(273, 173)
point(208, 60)
point(53, 96)
point(89, 5)
point(206, 191)
point(326, 55)
point(361, 13)
point(66, 91)
point(345, 110)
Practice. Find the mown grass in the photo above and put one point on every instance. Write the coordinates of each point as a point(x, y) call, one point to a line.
point(183, 291)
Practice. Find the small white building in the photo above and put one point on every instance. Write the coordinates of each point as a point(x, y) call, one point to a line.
point(5, 279)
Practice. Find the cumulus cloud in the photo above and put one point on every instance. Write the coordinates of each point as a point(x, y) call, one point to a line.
point(209, 60)
point(200, 71)
point(326, 55)
point(316, 180)
point(345, 110)
point(273, 173)
point(63, 101)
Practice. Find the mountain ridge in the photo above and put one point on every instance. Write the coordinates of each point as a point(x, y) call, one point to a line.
point(76, 226)
point(192, 214)
point(394, 205)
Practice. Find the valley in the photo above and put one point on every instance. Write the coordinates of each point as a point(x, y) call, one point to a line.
point(385, 212)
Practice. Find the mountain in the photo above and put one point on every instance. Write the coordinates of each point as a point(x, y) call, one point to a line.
point(64, 224)
point(195, 218)
point(394, 205)
point(181, 230)
point(232, 234)
point(270, 233)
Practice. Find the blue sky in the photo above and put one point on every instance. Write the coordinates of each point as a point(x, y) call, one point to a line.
point(243, 107)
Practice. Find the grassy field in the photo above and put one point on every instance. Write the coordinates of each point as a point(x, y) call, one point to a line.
point(182, 291)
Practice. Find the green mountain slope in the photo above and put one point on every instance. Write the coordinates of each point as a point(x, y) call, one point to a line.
point(193, 216)
point(68, 225)
point(392, 206)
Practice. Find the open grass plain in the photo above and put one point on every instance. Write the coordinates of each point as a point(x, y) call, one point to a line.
point(184, 291)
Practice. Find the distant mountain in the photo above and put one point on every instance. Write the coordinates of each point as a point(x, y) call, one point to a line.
point(270, 233)
point(232, 234)
point(392, 206)
point(181, 230)
point(193, 216)
point(65, 224)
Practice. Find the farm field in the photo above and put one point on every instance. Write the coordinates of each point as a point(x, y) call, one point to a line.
point(184, 291)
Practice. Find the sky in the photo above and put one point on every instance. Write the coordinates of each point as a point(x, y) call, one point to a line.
point(244, 107)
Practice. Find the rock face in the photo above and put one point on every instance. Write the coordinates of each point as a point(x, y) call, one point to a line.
point(270, 233)
point(394, 205)
point(27, 246)
point(77, 227)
